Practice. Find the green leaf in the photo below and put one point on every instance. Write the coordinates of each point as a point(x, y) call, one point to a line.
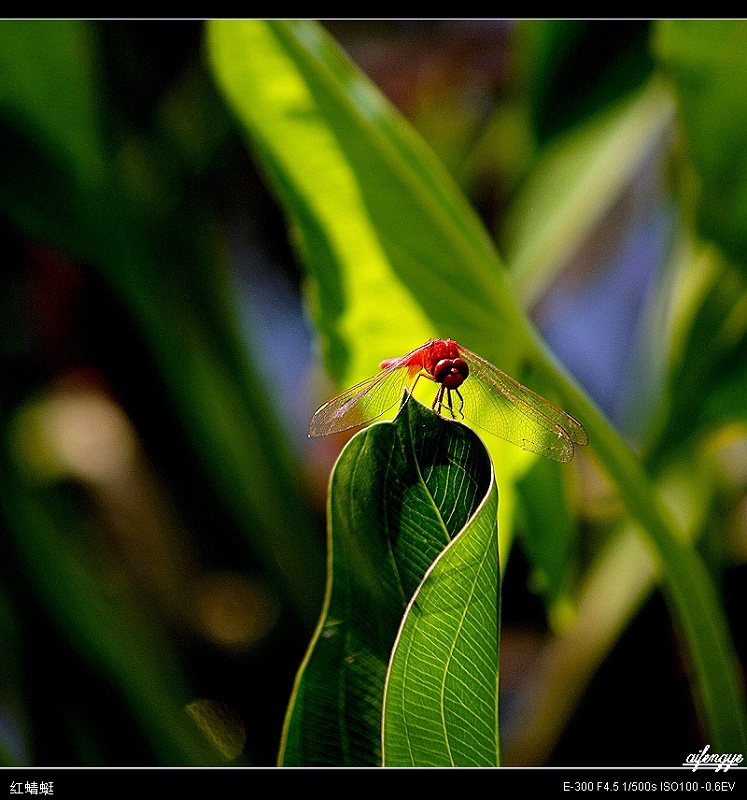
point(549, 536)
point(49, 123)
point(577, 67)
point(708, 375)
point(441, 701)
point(399, 493)
point(349, 171)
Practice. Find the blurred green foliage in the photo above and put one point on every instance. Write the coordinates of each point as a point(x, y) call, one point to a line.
point(163, 541)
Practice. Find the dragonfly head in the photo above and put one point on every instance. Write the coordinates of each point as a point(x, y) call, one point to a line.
point(451, 372)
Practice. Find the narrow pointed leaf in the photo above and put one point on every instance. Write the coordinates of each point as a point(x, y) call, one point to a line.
point(395, 253)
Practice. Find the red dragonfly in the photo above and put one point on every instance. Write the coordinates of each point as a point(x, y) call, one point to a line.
point(469, 388)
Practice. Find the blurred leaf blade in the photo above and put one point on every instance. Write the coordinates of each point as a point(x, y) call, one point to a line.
point(705, 62)
point(575, 182)
point(398, 493)
point(101, 620)
point(708, 371)
point(331, 227)
point(64, 67)
point(551, 531)
point(50, 121)
point(577, 67)
point(144, 243)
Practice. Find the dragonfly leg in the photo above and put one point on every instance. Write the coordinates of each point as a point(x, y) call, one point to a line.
point(455, 413)
point(438, 403)
point(461, 403)
point(450, 403)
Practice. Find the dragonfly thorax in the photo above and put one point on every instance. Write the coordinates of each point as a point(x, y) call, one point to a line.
point(451, 372)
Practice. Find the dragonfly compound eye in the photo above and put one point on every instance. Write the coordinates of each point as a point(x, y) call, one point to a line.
point(451, 372)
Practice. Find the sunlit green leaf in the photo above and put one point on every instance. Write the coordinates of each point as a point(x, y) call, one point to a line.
point(395, 254)
point(441, 701)
point(350, 170)
point(399, 492)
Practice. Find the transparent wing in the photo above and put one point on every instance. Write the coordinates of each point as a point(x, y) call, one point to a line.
point(366, 400)
point(500, 405)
